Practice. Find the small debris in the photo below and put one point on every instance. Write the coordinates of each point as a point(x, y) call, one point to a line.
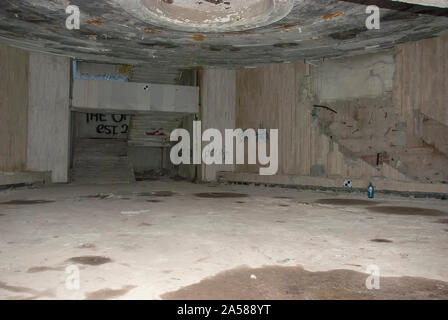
point(86, 246)
point(135, 213)
point(102, 196)
point(253, 277)
point(284, 261)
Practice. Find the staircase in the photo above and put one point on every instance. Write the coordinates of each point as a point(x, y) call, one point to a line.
point(425, 160)
point(101, 161)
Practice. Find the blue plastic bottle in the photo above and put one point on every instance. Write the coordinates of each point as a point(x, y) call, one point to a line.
point(371, 191)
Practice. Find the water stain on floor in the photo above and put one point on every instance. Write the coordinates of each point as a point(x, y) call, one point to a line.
point(381, 240)
point(105, 294)
point(295, 283)
point(346, 202)
point(144, 224)
point(407, 211)
point(43, 269)
point(49, 293)
point(222, 195)
point(90, 260)
point(16, 289)
point(154, 201)
point(26, 202)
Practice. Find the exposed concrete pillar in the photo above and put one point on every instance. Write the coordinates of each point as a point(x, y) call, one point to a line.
point(49, 115)
point(218, 95)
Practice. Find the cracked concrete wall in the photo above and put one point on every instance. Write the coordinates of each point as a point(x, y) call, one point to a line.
point(365, 76)
point(361, 115)
point(339, 120)
point(389, 107)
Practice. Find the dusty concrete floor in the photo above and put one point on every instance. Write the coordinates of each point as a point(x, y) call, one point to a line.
point(162, 239)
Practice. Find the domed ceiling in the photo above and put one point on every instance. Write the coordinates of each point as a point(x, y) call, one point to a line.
point(230, 33)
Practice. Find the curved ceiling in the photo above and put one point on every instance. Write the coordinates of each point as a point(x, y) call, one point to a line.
point(111, 31)
point(208, 15)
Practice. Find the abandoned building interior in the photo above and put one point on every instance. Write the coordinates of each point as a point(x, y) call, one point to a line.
point(354, 105)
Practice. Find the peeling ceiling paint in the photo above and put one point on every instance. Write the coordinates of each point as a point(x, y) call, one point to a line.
point(313, 29)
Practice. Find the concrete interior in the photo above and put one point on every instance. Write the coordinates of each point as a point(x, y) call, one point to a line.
point(87, 181)
point(164, 236)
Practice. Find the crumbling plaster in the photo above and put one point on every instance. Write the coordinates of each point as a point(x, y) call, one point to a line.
point(312, 30)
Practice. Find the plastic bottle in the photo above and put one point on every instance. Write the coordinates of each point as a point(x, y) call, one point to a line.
point(370, 191)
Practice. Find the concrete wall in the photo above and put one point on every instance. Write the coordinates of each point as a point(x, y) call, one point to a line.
point(34, 108)
point(146, 158)
point(366, 76)
point(49, 116)
point(390, 107)
point(134, 97)
point(13, 108)
point(101, 125)
point(370, 117)
point(218, 101)
point(421, 83)
point(278, 97)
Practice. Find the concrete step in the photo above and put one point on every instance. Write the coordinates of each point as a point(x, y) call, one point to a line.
point(100, 161)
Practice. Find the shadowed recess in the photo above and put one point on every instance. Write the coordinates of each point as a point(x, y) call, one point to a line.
point(291, 283)
point(407, 211)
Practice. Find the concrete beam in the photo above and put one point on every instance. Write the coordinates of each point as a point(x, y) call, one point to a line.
point(431, 3)
point(133, 97)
